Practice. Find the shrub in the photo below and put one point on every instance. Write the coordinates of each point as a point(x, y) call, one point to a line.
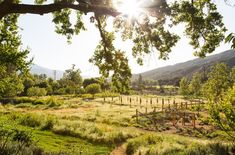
point(30, 120)
point(145, 140)
point(107, 94)
point(23, 100)
point(36, 91)
point(93, 88)
point(36, 102)
point(87, 96)
point(49, 124)
point(51, 102)
point(15, 141)
point(199, 149)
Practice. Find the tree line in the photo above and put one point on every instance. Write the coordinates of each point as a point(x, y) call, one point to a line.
point(19, 84)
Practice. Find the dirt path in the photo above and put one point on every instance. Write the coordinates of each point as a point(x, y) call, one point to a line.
point(119, 150)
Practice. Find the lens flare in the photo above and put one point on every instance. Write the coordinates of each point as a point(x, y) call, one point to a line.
point(130, 8)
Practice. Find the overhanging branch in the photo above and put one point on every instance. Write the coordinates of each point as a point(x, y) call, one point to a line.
point(9, 8)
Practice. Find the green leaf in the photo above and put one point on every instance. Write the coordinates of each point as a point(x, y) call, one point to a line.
point(229, 38)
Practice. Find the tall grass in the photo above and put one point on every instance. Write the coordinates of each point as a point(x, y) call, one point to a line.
point(93, 132)
point(151, 144)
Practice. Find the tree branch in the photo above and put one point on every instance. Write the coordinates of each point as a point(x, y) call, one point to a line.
point(9, 8)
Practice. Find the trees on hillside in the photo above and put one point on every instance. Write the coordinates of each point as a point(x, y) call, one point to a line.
point(148, 28)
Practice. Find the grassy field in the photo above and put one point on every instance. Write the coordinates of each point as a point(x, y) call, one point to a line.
point(74, 125)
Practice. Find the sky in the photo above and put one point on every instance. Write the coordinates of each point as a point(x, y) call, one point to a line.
point(52, 51)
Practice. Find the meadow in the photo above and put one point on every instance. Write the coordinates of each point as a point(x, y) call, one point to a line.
point(76, 125)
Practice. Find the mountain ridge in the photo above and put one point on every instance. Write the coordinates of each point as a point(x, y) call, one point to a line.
point(187, 68)
point(36, 69)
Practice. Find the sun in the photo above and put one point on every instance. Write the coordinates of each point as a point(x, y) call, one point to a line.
point(130, 8)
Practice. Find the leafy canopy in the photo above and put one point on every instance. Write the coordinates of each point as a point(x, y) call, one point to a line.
point(12, 57)
point(219, 90)
point(150, 30)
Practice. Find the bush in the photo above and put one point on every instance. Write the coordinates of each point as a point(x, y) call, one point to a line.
point(36, 91)
point(86, 96)
point(30, 120)
point(145, 140)
point(51, 102)
point(23, 100)
point(107, 94)
point(15, 141)
point(211, 148)
point(49, 124)
point(37, 102)
point(93, 88)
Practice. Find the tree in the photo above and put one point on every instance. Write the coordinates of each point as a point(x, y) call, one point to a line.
point(11, 85)
point(93, 89)
point(140, 83)
point(232, 74)
point(219, 90)
point(12, 57)
point(184, 87)
point(195, 85)
point(71, 80)
point(149, 30)
point(224, 113)
point(89, 81)
point(218, 82)
point(161, 86)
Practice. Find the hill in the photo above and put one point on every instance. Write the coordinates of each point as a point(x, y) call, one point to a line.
point(36, 69)
point(177, 71)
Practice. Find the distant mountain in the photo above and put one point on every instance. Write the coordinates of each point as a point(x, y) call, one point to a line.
point(35, 69)
point(179, 70)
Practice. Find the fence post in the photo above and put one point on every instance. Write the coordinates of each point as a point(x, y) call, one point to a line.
point(146, 110)
point(154, 109)
point(137, 120)
point(193, 120)
point(140, 102)
point(162, 106)
point(173, 118)
point(183, 119)
point(157, 100)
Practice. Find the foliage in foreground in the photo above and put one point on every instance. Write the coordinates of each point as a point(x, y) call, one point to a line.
point(219, 90)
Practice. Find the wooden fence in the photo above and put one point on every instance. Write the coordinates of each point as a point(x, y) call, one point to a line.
point(170, 115)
